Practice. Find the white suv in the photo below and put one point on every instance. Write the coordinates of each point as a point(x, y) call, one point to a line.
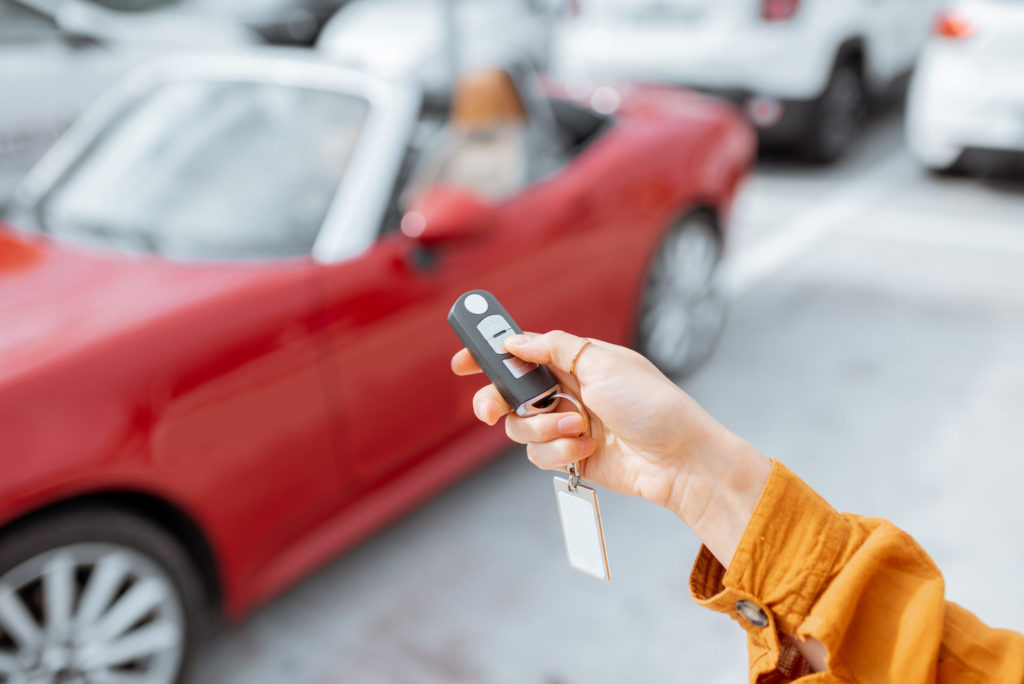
point(965, 108)
point(804, 70)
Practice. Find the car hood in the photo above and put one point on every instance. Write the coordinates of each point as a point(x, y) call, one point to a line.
point(56, 298)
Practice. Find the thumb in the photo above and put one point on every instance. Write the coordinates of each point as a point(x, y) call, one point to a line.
point(555, 348)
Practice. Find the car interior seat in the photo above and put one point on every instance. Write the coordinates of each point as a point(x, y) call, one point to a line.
point(484, 147)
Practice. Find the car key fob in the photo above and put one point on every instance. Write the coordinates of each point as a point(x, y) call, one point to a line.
point(482, 324)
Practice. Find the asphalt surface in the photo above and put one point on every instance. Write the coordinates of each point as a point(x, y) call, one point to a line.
point(875, 345)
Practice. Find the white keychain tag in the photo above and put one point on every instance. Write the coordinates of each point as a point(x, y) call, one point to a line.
point(581, 528)
point(580, 516)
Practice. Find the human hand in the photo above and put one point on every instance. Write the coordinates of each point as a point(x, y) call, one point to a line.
point(648, 437)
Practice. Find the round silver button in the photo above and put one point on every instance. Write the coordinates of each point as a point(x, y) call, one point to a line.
point(475, 304)
point(752, 613)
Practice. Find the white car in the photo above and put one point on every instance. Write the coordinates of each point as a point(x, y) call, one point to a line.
point(965, 108)
point(412, 37)
point(804, 70)
point(56, 56)
point(283, 22)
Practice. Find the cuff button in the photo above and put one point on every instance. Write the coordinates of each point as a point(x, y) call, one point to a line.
point(753, 614)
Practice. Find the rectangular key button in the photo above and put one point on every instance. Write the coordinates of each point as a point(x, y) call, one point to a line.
point(519, 367)
point(495, 329)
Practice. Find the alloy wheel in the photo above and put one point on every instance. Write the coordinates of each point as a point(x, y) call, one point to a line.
point(682, 311)
point(90, 613)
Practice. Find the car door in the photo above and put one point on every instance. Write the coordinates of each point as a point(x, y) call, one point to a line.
point(384, 318)
point(385, 313)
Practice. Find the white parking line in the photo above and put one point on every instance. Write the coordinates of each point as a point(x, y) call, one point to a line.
point(748, 267)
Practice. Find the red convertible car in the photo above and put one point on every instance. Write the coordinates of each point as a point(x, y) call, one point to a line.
point(223, 347)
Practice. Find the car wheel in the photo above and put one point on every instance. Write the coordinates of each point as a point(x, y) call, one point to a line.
point(682, 309)
point(837, 115)
point(96, 596)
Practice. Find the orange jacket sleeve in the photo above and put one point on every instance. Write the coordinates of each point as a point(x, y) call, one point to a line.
point(860, 586)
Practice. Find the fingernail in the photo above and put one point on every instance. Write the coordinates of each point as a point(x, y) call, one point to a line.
point(589, 445)
point(570, 425)
point(516, 341)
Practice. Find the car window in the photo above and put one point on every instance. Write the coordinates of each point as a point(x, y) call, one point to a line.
point(212, 170)
point(19, 25)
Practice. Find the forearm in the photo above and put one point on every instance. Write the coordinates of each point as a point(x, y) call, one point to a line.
point(717, 491)
point(717, 499)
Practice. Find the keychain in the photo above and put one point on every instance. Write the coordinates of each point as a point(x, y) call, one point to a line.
point(482, 324)
point(580, 515)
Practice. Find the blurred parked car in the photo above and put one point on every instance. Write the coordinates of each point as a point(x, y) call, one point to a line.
point(224, 354)
point(281, 22)
point(803, 70)
point(965, 107)
point(414, 37)
point(57, 56)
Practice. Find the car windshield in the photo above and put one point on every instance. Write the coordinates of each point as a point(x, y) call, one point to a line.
point(211, 170)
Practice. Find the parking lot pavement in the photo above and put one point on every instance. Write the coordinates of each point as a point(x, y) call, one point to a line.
point(874, 345)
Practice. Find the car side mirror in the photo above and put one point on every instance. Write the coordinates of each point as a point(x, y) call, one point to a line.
point(445, 214)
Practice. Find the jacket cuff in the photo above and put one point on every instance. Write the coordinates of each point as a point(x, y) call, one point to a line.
point(784, 561)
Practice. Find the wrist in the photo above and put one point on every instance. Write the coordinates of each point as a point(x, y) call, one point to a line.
point(717, 491)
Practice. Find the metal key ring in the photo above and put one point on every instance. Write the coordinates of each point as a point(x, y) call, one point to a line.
point(574, 469)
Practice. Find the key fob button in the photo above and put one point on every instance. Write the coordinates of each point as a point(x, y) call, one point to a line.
point(475, 304)
point(495, 329)
point(519, 367)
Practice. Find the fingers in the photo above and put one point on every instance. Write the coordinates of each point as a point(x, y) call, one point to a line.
point(544, 428)
point(557, 454)
point(552, 439)
point(555, 348)
point(488, 404)
point(463, 363)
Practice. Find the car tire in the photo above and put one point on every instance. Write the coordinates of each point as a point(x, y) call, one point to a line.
point(837, 115)
point(682, 310)
point(97, 591)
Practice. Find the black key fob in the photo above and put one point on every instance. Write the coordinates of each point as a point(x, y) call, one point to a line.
point(482, 324)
